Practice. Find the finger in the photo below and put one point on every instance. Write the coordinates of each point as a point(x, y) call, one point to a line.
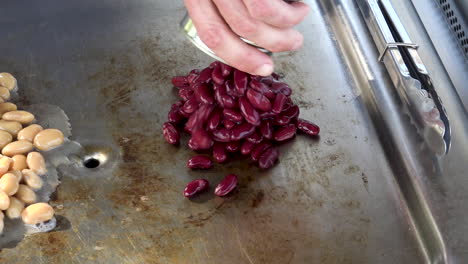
point(273, 39)
point(277, 12)
point(214, 32)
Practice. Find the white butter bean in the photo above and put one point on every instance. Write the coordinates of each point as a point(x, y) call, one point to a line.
point(25, 194)
point(11, 127)
point(7, 107)
point(19, 162)
point(37, 213)
point(36, 162)
point(24, 117)
point(17, 147)
point(5, 138)
point(28, 133)
point(4, 201)
point(48, 139)
point(32, 179)
point(8, 81)
point(4, 94)
point(15, 209)
point(5, 163)
point(9, 183)
point(17, 174)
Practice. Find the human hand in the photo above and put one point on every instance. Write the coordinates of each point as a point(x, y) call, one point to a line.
point(268, 23)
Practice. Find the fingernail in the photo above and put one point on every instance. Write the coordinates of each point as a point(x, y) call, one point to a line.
point(265, 70)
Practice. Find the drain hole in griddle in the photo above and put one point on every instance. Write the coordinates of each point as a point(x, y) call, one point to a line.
point(91, 163)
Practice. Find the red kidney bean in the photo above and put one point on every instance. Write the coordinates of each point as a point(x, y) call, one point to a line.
point(219, 93)
point(267, 115)
point(203, 93)
point(219, 152)
point(268, 158)
point(282, 120)
point(225, 69)
point(171, 134)
point(279, 103)
point(196, 186)
point(266, 129)
point(222, 135)
point(200, 140)
point(248, 112)
point(258, 150)
point(247, 147)
point(199, 162)
point(192, 76)
point(174, 116)
point(258, 100)
point(242, 131)
point(199, 118)
point(267, 80)
point(281, 87)
point(285, 132)
point(275, 76)
point(232, 115)
point(230, 89)
point(228, 101)
point(308, 127)
point(217, 75)
point(262, 88)
point(292, 112)
point(177, 105)
point(226, 186)
point(214, 64)
point(185, 94)
point(190, 105)
point(240, 82)
point(255, 138)
point(228, 124)
point(180, 81)
point(233, 146)
point(204, 76)
point(214, 120)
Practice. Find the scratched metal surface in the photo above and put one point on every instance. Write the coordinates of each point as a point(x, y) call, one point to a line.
point(108, 65)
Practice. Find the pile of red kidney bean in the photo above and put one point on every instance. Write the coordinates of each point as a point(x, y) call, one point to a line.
point(229, 111)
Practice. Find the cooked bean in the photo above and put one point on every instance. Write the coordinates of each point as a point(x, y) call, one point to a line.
point(285, 133)
point(193, 75)
point(171, 134)
point(11, 127)
point(203, 93)
point(308, 127)
point(7, 107)
point(17, 147)
point(174, 116)
point(282, 120)
point(242, 131)
point(240, 82)
point(185, 94)
point(281, 87)
point(225, 69)
point(8, 81)
point(199, 162)
point(255, 138)
point(219, 152)
point(230, 89)
point(18, 174)
point(228, 124)
point(222, 135)
point(4, 201)
point(28, 133)
point(37, 213)
point(190, 105)
point(15, 209)
point(214, 120)
point(233, 146)
point(266, 129)
point(232, 115)
point(279, 103)
point(36, 162)
point(32, 179)
point(226, 186)
point(217, 75)
point(9, 183)
point(195, 187)
point(199, 118)
point(5, 138)
point(200, 140)
point(204, 76)
point(292, 112)
point(258, 150)
point(268, 158)
point(180, 81)
point(48, 139)
point(4, 94)
point(25, 194)
point(248, 112)
point(228, 101)
point(18, 162)
point(258, 100)
point(247, 147)
point(24, 117)
point(5, 163)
